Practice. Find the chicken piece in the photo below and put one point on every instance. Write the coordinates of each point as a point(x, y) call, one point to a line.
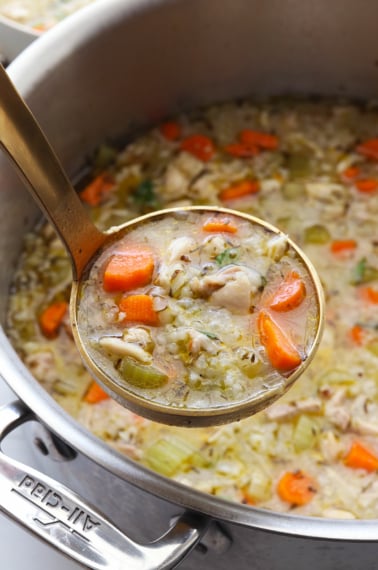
point(330, 447)
point(200, 341)
point(180, 247)
point(136, 342)
point(336, 412)
point(364, 427)
point(231, 288)
point(42, 366)
point(179, 175)
point(280, 412)
point(117, 346)
point(235, 295)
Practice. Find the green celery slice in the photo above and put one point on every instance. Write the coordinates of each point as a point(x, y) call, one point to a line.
point(142, 376)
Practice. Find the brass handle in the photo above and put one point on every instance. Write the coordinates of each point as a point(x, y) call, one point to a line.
point(24, 142)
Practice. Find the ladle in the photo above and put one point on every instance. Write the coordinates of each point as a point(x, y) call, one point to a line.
point(25, 143)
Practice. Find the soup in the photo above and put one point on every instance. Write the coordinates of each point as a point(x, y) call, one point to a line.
point(199, 310)
point(310, 168)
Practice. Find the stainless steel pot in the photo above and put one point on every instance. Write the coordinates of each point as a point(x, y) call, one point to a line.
point(116, 66)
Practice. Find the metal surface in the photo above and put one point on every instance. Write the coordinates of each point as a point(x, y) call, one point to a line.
point(14, 38)
point(88, 86)
point(60, 517)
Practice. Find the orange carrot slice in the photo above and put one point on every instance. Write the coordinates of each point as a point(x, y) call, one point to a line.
point(171, 130)
point(343, 246)
point(240, 150)
point(95, 394)
point(219, 225)
point(357, 334)
point(200, 146)
point(129, 269)
point(139, 308)
point(290, 293)
point(51, 318)
point(239, 190)
point(260, 139)
point(369, 148)
point(366, 185)
point(351, 172)
point(359, 457)
point(369, 294)
point(296, 488)
point(281, 352)
point(95, 191)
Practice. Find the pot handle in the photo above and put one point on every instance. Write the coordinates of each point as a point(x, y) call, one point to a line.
point(60, 517)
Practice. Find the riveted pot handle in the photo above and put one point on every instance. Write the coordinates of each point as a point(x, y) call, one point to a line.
point(60, 517)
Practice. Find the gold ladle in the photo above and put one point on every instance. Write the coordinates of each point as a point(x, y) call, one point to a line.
point(25, 143)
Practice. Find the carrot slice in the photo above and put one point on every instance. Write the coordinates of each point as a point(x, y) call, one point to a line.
point(139, 308)
point(95, 394)
point(282, 353)
point(94, 193)
point(351, 172)
point(290, 293)
point(259, 139)
point(369, 294)
point(219, 225)
point(367, 185)
point(357, 334)
point(296, 488)
point(359, 457)
point(369, 148)
point(343, 245)
point(200, 146)
point(129, 269)
point(171, 130)
point(240, 189)
point(240, 150)
point(51, 318)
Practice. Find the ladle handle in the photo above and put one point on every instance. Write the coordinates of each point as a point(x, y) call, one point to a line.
point(25, 143)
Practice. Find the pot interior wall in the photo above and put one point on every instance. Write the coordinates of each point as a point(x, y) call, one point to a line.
point(133, 63)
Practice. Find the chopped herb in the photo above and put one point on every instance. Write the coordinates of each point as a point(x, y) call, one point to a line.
point(227, 256)
point(363, 272)
point(144, 195)
point(209, 335)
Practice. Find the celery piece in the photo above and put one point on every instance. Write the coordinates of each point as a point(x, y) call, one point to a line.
point(260, 484)
point(363, 273)
point(372, 346)
point(166, 456)
point(316, 234)
point(304, 436)
point(142, 376)
point(292, 190)
point(299, 164)
point(336, 376)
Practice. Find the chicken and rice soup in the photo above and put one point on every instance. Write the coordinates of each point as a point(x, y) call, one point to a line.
point(310, 168)
point(199, 309)
point(40, 14)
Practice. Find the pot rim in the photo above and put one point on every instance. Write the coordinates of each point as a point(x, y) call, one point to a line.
point(54, 45)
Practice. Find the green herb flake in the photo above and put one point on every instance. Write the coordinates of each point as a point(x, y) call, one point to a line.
point(145, 196)
point(227, 256)
point(209, 335)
